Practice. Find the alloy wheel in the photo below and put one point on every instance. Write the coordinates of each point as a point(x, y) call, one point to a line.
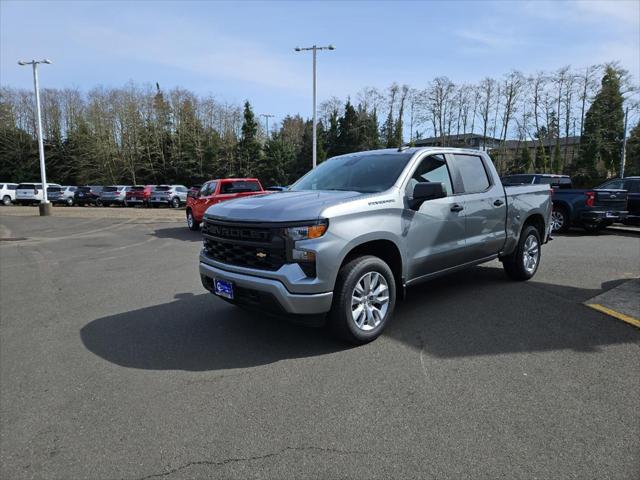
point(369, 301)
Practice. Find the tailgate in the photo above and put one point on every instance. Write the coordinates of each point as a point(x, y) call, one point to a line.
point(611, 199)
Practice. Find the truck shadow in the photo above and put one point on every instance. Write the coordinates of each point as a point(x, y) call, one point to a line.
point(481, 312)
point(477, 312)
point(198, 333)
point(177, 233)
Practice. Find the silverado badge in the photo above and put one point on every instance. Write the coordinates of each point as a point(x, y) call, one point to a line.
point(261, 255)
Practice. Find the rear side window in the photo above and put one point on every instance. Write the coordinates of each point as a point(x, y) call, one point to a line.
point(110, 189)
point(181, 189)
point(632, 185)
point(431, 169)
point(239, 187)
point(137, 189)
point(11, 187)
point(474, 176)
point(163, 188)
point(614, 184)
point(26, 186)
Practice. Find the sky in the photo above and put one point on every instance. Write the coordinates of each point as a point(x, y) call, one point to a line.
point(245, 50)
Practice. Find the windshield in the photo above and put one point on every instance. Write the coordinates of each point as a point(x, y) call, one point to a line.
point(163, 188)
point(110, 189)
point(365, 173)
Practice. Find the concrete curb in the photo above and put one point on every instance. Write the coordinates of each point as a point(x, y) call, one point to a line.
point(621, 302)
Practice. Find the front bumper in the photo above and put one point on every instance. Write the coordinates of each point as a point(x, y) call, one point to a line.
point(603, 216)
point(262, 292)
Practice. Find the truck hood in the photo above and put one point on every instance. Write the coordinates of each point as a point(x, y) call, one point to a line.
point(279, 207)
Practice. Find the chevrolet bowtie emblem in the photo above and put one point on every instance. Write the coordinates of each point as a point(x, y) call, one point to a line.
point(261, 255)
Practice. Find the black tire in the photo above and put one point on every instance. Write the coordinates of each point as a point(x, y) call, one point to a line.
point(192, 223)
point(561, 217)
point(69, 202)
point(175, 202)
point(514, 264)
point(341, 320)
point(6, 200)
point(99, 203)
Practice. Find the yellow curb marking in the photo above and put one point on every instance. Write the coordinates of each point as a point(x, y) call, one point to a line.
point(620, 316)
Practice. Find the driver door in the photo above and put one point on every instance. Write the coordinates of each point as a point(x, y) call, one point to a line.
point(435, 233)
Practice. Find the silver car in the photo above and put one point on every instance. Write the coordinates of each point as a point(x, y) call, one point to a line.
point(62, 195)
point(114, 195)
point(171, 195)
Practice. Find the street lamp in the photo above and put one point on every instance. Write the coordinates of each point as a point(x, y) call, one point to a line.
point(267, 116)
point(314, 49)
point(45, 206)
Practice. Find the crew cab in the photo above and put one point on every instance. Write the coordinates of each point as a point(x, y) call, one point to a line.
point(216, 191)
point(138, 195)
point(632, 186)
point(347, 239)
point(31, 193)
point(591, 209)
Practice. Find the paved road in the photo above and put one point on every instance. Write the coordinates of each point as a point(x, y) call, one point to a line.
point(115, 363)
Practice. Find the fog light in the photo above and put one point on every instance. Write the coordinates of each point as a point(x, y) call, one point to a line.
point(303, 255)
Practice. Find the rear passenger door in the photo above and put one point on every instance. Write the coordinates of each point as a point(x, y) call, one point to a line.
point(484, 206)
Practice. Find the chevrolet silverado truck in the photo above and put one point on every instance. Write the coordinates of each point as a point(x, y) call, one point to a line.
point(347, 239)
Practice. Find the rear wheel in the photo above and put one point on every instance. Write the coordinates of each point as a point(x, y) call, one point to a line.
point(364, 300)
point(69, 202)
point(175, 202)
point(192, 223)
point(6, 200)
point(99, 203)
point(559, 220)
point(523, 263)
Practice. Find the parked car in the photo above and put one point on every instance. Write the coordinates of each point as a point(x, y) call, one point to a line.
point(632, 186)
point(592, 209)
point(171, 195)
point(349, 237)
point(139, 195)
point(88, 195)
point(114, 195)
point(8, 193)
point(216, 191)
point(31, 193)
point(62, 195)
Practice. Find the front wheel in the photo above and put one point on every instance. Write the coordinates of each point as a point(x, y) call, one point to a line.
point(192, 223)
point(364, 299)
point(175, 202)
point(523, 263)
point(69, 202)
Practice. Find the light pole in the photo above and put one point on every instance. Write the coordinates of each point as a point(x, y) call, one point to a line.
point(45, 206)
point(267, 116)
point(314, 49)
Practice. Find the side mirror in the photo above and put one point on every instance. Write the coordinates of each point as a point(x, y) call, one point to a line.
point(424, 191)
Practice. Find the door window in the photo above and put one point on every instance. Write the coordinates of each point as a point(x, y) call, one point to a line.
point(474, 176)
point(614, 185)
point(431, 169)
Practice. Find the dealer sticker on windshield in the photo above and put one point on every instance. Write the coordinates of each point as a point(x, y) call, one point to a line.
point(223, 288)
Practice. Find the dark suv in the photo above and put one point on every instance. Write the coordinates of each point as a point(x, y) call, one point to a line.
point(632, 186)
point(88, 195)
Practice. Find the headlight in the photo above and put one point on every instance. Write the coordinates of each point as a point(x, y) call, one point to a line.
point(307, 232)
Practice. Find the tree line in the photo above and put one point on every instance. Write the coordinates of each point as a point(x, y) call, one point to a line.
point(144, 134)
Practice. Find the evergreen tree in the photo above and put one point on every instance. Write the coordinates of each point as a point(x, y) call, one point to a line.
point(603, 129)
point(331, 136)
point(557, 160)
point(348, 140)
point(525, 159)
point(249, 149)
point(279, 158)
point(632, 163)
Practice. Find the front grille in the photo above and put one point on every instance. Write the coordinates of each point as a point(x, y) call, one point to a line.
point(244, 245)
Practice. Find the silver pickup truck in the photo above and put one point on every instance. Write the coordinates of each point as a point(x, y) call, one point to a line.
point(350, 236)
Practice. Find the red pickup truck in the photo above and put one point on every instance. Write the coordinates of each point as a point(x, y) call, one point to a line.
point(216, 191)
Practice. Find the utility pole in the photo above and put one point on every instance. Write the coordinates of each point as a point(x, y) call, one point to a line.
point(267, 116)
point(624, 142)
point(314, 49)
point(45, 206)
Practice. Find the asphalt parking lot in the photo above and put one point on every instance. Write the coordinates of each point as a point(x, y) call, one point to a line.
point(115, 363)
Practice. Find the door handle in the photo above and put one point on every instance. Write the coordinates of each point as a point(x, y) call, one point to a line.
point(457, 208)
point(498, 202)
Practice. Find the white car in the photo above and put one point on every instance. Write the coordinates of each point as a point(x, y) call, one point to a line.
point(8, 193)
point(30, 193)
